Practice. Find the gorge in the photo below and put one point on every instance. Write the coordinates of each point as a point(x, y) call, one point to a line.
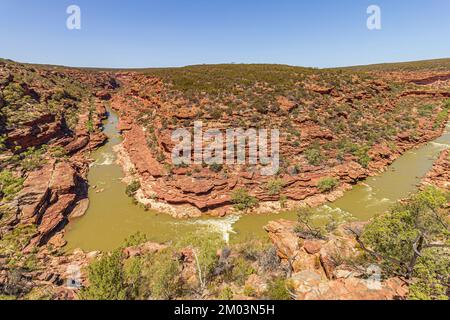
point(87, 175)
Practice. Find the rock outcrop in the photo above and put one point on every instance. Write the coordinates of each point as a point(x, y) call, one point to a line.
point(47, 198)
point(318, 272)
point(439, 175)
point(149, 111)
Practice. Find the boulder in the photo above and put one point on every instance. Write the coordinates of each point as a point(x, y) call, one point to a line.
point(80, 209)
point(282, 235)
point(312, 246)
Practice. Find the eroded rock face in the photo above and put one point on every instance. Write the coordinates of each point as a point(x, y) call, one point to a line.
point(309, 286)
point(37, 132)
point(318, 274)
point(47, 198)
point(149, 113)
point(439, 175)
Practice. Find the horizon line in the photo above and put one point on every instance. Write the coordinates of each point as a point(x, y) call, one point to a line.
point(222, 63)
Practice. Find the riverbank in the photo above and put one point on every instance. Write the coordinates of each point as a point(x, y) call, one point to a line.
point(193, 191)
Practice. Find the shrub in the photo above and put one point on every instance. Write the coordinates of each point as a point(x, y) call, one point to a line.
point(410, 240)
point(2, 142)
point(328, 184)
point(204, 250)
point(269, 260)
point(314, 156)
point(215, 167)
point(442, 117)
point(431, 274)
point(136, 239)
point(58, 152)
point(164, 280)
point(242, 269)
point(226, 294)
point(132, 188)
point(363, 156)
point(426, 110)
point(9, 185)
point(275, 186)
point(31, 159)
point(106, 279)
point(249, 291)
point(277, 289)
point(242, 200)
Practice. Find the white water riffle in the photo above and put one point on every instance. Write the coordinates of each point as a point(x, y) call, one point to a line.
point(105, 159)
point(223, 226)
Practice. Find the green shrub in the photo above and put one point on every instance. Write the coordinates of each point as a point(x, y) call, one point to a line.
point(249, 291)
point(314, 156)
point(106, 279)
point(31, 159)
point(363, 156)
point(404, 236)
point(275, 186)
point(277, 289)
point(226, 294)
point(136, 239)
point(328, 184)
point(2, 142)
point(215, 167)
point(10, 185)
point(442, 117)
point(242, 269)
point(242, 200)
point(132, 188)
point(426, 110)
point(204, 250)
point(430, 276)
point(163, 273)
point(58, 152)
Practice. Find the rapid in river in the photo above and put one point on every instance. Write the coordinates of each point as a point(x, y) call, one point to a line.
point(112, 216)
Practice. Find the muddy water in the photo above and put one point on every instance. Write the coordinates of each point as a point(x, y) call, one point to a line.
point(112, 216)
point(373, 196)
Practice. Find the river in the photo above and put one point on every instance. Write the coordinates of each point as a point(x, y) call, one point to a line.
point(112, 216)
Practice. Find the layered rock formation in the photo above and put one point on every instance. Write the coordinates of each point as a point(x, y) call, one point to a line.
point(439, 175)
point(56, 123)
point(346, 132)
point(319, 269)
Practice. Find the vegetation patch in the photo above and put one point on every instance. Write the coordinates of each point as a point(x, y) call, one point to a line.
point(242, 200)
point(328, 184)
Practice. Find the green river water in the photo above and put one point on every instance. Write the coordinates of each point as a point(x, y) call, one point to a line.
point(112, 216)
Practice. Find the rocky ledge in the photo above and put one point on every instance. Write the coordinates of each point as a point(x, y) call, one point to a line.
point(191, 191)
point(319, 270)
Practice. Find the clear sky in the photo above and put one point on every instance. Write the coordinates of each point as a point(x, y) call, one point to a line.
point(138, 33)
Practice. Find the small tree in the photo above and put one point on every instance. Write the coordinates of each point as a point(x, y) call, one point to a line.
point(132, 188)
point(306, 229)
point(164, 276)
point(106, 279)
point(275, 186)
point(242, 200)
point(327, 184)
point(204, 250)
point(411, 241)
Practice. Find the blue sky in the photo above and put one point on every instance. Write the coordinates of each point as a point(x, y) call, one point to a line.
point(319, 33)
